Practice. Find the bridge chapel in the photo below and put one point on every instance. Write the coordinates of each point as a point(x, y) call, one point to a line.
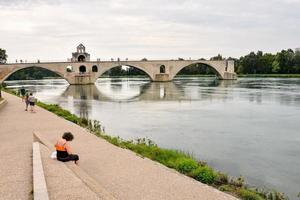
point(81, 55)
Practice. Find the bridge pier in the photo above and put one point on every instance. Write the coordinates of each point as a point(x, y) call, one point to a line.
point(229, 76)
point(162, 78)
point(80, 79)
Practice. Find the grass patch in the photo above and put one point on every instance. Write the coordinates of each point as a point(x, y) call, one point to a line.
point(180, 161)
point(249, 195)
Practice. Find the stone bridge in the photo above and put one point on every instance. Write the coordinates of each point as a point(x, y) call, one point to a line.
point(87, 72)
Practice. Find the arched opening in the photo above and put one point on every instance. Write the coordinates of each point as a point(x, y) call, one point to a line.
point(125, 71)
point(32, 73)
point(82, 69)
point(120, 79)
point(95, 68)
point(198, 69)
point(81, 58)
point(69, 68)
point(162, 69)
point(33, 78)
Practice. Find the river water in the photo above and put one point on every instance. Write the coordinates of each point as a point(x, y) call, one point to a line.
point(248, 127)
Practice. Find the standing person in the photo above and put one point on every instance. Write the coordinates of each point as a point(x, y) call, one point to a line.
point(63, 149)
point(26, 101)
point(31, 100)
point(22, 93)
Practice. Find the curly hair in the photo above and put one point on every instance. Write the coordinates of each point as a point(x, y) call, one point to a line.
point(68, 136)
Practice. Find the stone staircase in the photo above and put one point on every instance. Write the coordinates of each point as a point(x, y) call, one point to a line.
point(62, 180)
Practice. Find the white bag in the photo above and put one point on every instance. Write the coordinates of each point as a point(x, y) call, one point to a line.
point(53, 155)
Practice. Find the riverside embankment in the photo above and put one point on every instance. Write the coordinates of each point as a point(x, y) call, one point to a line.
point(120, 172)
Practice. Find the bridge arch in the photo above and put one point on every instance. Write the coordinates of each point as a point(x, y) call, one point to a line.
point(105, 69)
point(216, 71)
point(16, 69)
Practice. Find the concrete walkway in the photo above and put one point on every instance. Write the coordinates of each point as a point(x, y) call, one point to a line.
point(123, 174)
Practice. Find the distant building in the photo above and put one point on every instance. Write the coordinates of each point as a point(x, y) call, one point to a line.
point(297, 49)
point(80, 55)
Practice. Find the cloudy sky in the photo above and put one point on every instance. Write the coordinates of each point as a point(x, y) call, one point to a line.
point(155, 29)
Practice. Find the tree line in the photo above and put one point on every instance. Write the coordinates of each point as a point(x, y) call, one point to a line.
point(284, 62)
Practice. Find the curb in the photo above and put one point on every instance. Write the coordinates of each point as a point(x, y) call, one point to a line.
point(39, 183)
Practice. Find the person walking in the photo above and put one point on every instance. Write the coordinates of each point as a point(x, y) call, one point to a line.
point(63, 149)
point(22, 93)
point(31, 100)
point(26, 101)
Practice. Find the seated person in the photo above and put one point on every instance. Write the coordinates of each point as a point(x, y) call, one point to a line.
point(63, 149)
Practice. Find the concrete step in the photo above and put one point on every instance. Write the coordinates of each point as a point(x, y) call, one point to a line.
point(67, 180)
point(61, 182)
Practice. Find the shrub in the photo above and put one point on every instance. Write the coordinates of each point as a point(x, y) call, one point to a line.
point(186, 165)
point(226, 188)
point(221, 179)
point(204, 174)
point(249, 195)
point(84, 121)
point(239, 182)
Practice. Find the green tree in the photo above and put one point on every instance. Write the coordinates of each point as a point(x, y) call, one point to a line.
point(285, 58)
point(3, 56)
point(116, 71)
point(218, 57)
point(256, 63)
point(3, 59)
point(275, 67)
point(297, 61)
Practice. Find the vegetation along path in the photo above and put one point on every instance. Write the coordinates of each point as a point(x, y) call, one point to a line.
point(120, 172)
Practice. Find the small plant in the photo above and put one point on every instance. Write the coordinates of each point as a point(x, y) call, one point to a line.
point(226, 188)
point(239, 182)
point(84, 122)
point(249, 195)
point(204, 174)
point(186, 165)
point(202, 163)
point(97, 126)
point(221, 179)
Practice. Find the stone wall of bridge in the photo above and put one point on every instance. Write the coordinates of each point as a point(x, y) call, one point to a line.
point(72, 71)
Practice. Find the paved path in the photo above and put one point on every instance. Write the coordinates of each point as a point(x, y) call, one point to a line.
point(121, 172)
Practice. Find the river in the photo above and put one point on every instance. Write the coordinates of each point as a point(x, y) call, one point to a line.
point(249, 127)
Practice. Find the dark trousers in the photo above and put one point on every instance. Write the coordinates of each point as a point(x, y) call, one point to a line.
point(71, 157)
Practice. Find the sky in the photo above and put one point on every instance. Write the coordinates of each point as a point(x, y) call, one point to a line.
point(50, 30)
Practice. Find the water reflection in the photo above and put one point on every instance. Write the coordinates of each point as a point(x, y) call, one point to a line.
point(283, 91)
point(115, 92)
point(120, 91)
